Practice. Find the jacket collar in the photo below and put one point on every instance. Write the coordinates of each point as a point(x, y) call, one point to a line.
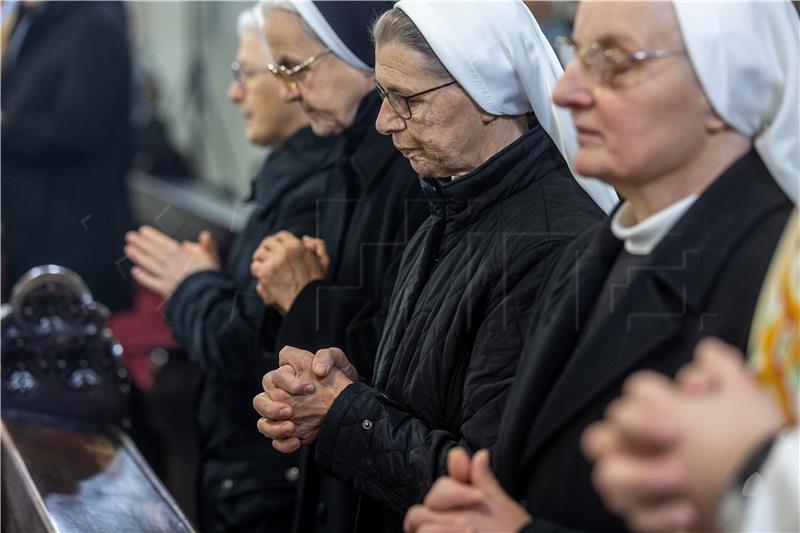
point(516, 167)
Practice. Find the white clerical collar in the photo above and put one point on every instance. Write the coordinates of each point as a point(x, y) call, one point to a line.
point(642, 238)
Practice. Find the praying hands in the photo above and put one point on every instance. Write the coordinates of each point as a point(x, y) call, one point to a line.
point(469, 499)
point(285, 264)
point(161, 263)
point(298, 395)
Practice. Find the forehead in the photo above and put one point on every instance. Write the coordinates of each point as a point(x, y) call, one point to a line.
point(286, 35)
point(251, 48)
point(400, 68)
point(638, 25)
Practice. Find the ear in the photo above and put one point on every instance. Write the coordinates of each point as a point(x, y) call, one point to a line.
point(714, 123)
point(486, 117)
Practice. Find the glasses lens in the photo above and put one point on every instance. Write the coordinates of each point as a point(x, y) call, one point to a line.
point(399, 104)
point(236, 72)
point(566, 51)
point(598, 63)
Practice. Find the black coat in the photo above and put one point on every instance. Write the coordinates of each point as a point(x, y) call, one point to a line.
point(65, 150)
point(456, 327)
point(217, 316)
point(702, 279)
point(374, 206)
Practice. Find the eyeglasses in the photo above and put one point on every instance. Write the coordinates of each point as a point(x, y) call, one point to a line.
point(289, 75)
point(606, 64)
point(240, 73)
point(400, 104)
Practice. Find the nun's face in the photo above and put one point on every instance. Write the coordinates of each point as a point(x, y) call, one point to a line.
point(268, 119)
point(446, 133)
point(329, 90)
point(653, 121)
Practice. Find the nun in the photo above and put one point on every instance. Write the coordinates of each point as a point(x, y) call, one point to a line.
point(690, 110)
point(470, 109)
point(330, 290)
point(213, 309)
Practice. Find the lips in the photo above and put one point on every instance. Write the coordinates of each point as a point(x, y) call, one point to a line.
point(587, 135)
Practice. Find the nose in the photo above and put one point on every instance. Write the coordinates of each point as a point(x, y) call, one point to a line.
point(235, 92)
point(572, 91)
point(290, 93)
point(388, 122)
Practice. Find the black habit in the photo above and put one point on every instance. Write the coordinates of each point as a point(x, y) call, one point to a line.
point(606, 314)
point(245, 484)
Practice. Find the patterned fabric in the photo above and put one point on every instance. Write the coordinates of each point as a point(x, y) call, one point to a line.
point(775, 340)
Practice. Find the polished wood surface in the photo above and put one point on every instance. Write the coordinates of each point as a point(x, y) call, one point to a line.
point(60, 476)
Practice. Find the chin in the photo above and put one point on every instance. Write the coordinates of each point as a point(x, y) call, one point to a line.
point(325, 128)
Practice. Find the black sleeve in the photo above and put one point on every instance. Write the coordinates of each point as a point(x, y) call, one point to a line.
point(76, 116)
point(214, 322)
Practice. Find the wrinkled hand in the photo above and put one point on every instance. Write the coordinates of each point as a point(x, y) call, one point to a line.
point(161, 263)
point(295, 400)
point(470, 499)
point(284, 265)
point(666, 449)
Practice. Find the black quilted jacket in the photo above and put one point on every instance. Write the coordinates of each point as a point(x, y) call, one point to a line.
point(456, 325)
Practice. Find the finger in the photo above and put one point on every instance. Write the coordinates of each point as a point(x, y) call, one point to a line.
point(287, 238)
point(271, 409)
point(626, 481)
point(327, 358)
point(298, 359)
point(420, 518)
point(458, 464)
point(149, 281)
point(290, 383)
point(482, 476)
point(641, 425)
point(694, 381)
point(206, 240)
point(289, 445)
point(673, 515)
point(448, 494)
point(144, 258)
point(720, 360)
point(599, 439)
point(275, 429)
point(158, 238)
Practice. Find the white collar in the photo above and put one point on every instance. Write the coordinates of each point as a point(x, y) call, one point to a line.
point(642, 238)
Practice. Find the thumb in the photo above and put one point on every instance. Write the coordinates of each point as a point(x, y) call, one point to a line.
point(482, 476)
point(326, 359)
point(207, 241)
point(318, 247)
point(458, 465)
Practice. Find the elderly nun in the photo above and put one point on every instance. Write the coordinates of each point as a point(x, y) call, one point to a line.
point(690, 110)
point(330, 291)
point(213, 309)
point(464, 104)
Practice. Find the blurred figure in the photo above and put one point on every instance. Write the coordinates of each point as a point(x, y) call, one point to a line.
point(65, 147)
point(704, 453)
point(214, 311)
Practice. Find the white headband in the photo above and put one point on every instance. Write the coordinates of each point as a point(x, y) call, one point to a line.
point(747, 58)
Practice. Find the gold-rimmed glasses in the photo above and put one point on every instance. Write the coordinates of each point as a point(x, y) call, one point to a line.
point(288, 75)
point(606, 63)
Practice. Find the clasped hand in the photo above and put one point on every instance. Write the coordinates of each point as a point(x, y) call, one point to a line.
point(299, 394)
point(285, 264)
